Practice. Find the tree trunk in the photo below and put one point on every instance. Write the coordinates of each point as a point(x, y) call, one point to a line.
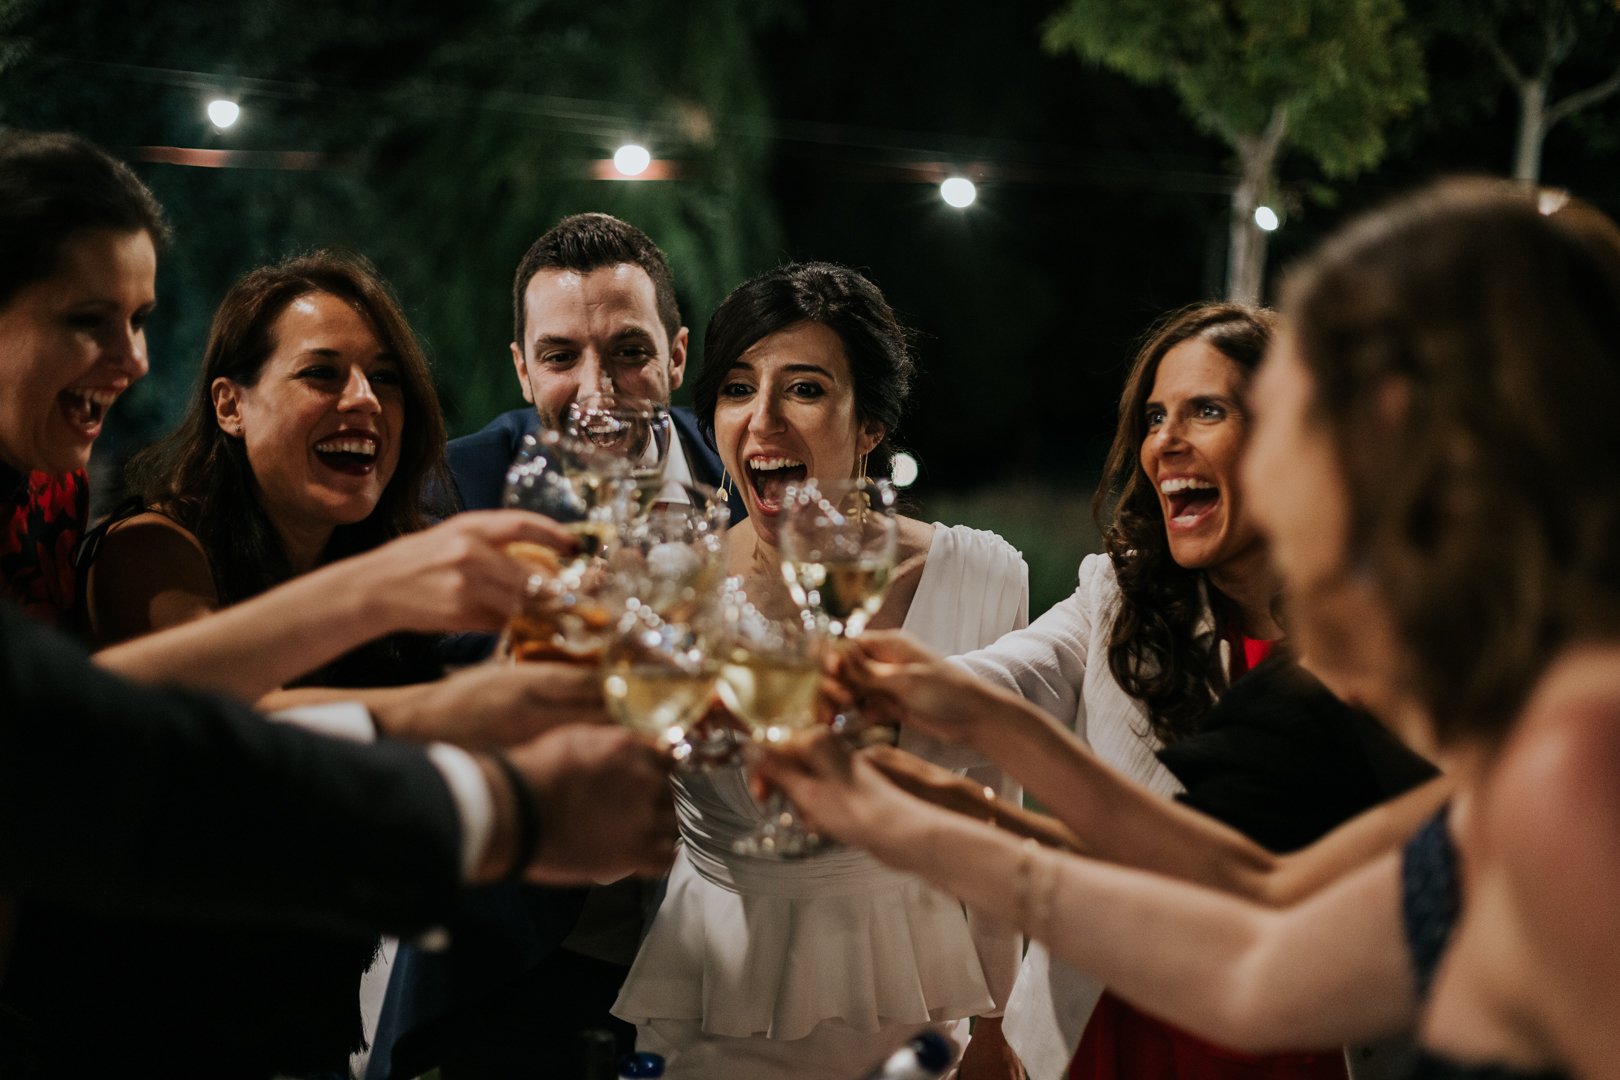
point(1246, 250)
point(1532, 130)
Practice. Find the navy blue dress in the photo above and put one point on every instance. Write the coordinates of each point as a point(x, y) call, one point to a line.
point(1431, 900)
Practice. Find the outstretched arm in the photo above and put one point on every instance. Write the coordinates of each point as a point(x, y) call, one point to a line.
point(1329, 969)
point(454, 576)
point(1112, 817)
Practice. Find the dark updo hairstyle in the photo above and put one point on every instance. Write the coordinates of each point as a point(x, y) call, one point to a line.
point(881, 364)
point(200, 476)
point(54, 185)
point(1465, 351)
point(1154, 650)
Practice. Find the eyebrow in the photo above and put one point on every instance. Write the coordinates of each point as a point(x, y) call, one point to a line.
point(618, 335)
point(813, 369)
point(332, 354)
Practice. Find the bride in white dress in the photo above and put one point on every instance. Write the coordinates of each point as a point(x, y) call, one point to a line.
point(818, 967)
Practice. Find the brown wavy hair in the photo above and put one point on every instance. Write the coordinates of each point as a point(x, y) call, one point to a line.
point(1486, 507)
point(200, 476)
point(1154, 651)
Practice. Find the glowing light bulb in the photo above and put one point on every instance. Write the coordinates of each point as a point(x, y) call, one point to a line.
point(222, 114)
point(1266, 218)
point(959, 192)
point(904, 469)
point(631, 160)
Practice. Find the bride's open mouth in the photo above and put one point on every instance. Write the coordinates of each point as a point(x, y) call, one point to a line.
point(770, 477)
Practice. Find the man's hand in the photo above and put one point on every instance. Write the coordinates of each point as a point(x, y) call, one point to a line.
point(603, 798)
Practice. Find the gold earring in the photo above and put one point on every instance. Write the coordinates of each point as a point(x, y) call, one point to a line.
point(863, 467)
point(725, 484)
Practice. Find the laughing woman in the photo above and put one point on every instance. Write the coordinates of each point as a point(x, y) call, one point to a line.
point(815, 968)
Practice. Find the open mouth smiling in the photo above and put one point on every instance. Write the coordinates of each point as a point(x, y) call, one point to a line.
point(353, 453)
point(85, 408)
point(1189, 500)
point(770, 477)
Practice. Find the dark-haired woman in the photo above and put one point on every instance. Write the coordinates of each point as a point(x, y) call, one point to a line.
point(1181, 605)
point(311, 434)
point(820, 967)
point(1422, 466)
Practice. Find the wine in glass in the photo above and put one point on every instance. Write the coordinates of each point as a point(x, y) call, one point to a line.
point(564, 615)
point(634, 430)
point(658, 671)
point(838, 541)
point(769, 673)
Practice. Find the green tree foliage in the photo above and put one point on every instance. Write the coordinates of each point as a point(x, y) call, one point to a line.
point(437, 139)
point(1558, 57)
point(1322, 77)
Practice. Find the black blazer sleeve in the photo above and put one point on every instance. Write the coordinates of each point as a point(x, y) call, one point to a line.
point(155, 801)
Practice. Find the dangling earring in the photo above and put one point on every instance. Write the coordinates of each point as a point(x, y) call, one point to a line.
point(862, 475)
point(725, 484)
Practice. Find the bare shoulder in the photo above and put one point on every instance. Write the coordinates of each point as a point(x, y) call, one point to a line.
point(1552, 797)
point(151, 533)
point(150, 572)
point(914, 538)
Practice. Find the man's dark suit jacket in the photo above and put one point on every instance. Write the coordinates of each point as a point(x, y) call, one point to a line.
point(441, 1003)
point(161, 802)
point(478, 462)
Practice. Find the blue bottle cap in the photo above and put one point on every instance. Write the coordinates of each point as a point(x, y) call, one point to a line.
point(635, 1066)
point(933, 1052)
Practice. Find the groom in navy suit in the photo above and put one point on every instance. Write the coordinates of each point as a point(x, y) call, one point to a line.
point(593, 305)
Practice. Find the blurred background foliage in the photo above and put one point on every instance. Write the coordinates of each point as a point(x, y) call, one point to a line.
point(440, 140)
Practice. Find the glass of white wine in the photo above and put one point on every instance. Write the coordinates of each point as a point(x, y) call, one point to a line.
point(658, 671)
point(838, 541)
point(634, 430)
point(769, 672)
point(658, 677)
point(565, 615)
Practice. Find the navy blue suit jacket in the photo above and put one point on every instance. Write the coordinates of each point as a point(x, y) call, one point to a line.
point(478, 462)
point(499, 933)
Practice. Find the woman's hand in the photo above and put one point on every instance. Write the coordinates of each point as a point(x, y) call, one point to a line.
point(455, 576)
point(835, 790)
point(494, 705)
point(893, 675)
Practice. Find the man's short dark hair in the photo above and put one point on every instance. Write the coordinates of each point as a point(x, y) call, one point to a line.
point(586, 242)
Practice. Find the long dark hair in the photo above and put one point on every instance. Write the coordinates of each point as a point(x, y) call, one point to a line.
point(53, 185)
point(1485, 508)
point(881, 364)
point(1154, 650)
point(200, 476)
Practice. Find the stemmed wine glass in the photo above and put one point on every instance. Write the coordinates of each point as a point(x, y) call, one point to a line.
point(591, 493)
point(769, 673)
point(636, 431)
point(838, 540)
point(659, 667)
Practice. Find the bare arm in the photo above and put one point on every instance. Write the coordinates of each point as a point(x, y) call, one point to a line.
point(451, 577)
point(1112, 817)
point(1326, 970)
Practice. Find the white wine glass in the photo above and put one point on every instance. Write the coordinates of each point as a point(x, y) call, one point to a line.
point(838, 540)
point(565, 615)
point(769, 673)
point(636, 431)
point(658, 670)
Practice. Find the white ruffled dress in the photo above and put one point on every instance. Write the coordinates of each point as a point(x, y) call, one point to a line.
point(822, 966)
